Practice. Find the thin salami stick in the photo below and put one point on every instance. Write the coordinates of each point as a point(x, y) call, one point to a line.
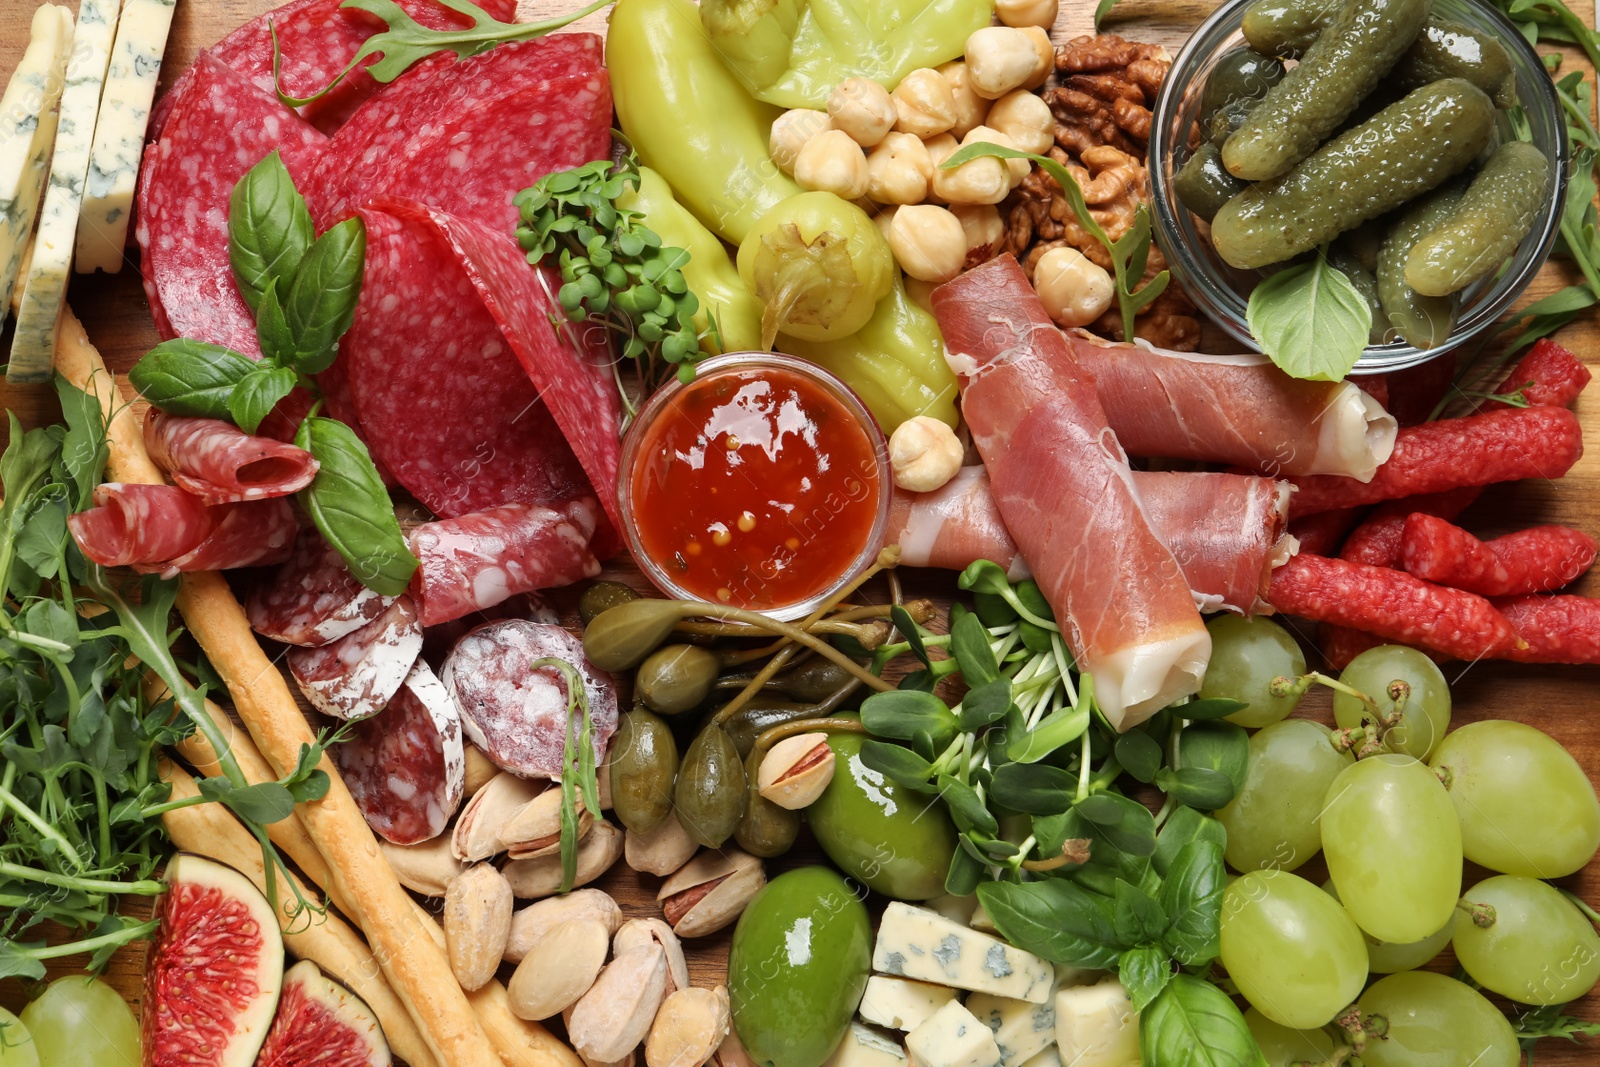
point(1548, 376)
point(1557, 629)
point(1376, 542)
point(1497, 446)
point(1321, 534)
point(1536, 560)
point(1392, 605)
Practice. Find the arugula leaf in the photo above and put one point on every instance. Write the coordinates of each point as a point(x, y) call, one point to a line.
point(1191, 898)
point(84, 449)
point(352, 509)
point(258, 393)
point(192, 378)
point(1310, 320)
point(1056, 919)
point(1192, 1023)
point(1101, 10)
point(322, 300)
point(263, 802)
point(1144, 973)
point(269, 230)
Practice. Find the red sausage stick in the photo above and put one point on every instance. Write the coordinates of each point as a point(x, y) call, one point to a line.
point(1321, 534)
point(1536, 560)
point(1549, 376)
point(1376, 542)
point(1557, 629)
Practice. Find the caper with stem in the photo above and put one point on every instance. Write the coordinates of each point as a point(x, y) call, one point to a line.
point(601, 596)
point(644, 768)
point(711, 790)
point(676, 678)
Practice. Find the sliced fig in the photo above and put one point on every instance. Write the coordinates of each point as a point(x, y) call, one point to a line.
point(213, 977)
point(320, 1023)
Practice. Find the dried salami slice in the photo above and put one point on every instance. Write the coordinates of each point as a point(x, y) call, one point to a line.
point(286, 416)
point(313, 599)
point(442, 402)
point(220, 126)
point(140, 524)
point(220, 463)
point(251, 533)
point(406, 767)
point(473, 562)
point(515, 713)
point(355, 676)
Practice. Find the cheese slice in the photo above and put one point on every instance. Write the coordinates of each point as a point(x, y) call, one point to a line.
point(119, 133)
point(1096, 1026)
point(45, 288)
point(1022, 1030)
point(865, 1047)
point(901, 1004)
point(953, 1037)
point(916, 943)
point(27, 135)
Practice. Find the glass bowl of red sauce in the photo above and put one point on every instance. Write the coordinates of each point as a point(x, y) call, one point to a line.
point(764, 483)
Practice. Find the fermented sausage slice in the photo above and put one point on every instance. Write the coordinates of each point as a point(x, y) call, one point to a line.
point(355, 676)
point(220, 463)
point(139, 524)
point(251, 533)
point(313, 598)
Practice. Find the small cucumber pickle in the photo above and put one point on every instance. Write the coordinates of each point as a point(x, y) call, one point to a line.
point(1421, 321)
point(1451, 50)
point(1203, 184)
point(1400, 153)
point(1240, 76)
point(1345, 64)
point(1487, 224)
point(1345, 262)
point(1286, 27)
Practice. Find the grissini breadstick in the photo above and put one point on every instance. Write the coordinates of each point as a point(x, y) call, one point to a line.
point(358, 872)
point(210, 830)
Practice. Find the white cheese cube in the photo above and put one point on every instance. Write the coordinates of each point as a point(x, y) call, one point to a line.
point(119, 133)
point(901, 1004)
point(916, 943)
point(1022, 1030)
point(865, 1047)
point(952, 1037)
point(979, 920)
point(1050, 1057)
point(28, 114)
point(956, 909)
point(1096, 1026)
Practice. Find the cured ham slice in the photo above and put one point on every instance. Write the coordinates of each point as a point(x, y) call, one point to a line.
point(1063, 485)
point(1234, 409)
point(139, 524)
point(220, 463)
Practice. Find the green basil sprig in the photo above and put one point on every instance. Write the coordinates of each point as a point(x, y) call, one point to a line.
point(269, 230)
point(350, 506)
point(258, 393)
point(1192, 1023)
point(1310, 320)
point(322, 298)
point(191, 378)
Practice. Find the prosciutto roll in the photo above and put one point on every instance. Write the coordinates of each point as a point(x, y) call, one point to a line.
point(220, 463)
point(139, 524)
point(1063, 486)
point(1234, 409)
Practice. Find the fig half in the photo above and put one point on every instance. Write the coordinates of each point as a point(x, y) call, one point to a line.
point(322, 1024)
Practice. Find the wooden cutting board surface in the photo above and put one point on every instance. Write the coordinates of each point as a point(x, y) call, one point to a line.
point(1562, 701)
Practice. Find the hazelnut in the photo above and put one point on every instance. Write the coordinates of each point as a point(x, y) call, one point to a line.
point(970, 107)
point(924, 453)
point(984, 230)
point(833, 163)
point(1023, 13)
point(791, 131)
point(1016, 169)
point(1026, 119)
point(924, 103)
point(1044, 54)
point(862, 108)
point(899, 170)
point(1074, 289)
point(928, 242)
point(985, 180)
point(1000, 59)
point(921, 293)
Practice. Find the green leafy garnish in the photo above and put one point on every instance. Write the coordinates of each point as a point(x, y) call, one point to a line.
point(1310, 320)
point(269, 230)
point(350, 506)
point(193, 378)
point(578, 769)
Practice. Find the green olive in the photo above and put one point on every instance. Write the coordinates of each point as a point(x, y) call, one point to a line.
point(620, 637)
point(676, 678)
point(644, 765)
point(763, 713)
point(710, 795)
point(813, 681)
point(767, 829)
point(601, 596)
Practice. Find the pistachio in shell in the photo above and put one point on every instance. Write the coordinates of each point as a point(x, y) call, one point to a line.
point(644, 765)
point(621, 637)
point(711, 790)
point(676, 678)
point(766, 830)
point(602, 596)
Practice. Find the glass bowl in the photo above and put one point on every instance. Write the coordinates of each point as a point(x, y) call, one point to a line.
point(809, 542)
point(1222, 291)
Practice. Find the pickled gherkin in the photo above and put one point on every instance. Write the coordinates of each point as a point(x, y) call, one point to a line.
point(1240, 76)
point(1338, 71)
point(1286, 27)
point(1204, 185)
point(1402, 152)
point(1345, 262)
point(1488, 224)
point(1451, 50)
point(1421, 321)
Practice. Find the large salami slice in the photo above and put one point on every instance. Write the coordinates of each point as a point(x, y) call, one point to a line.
point(406, 766)
point(355, 676)
point(473, 562)
point(514, 712)
point(139, 524)
point(313, 599)
point(220, 126)
point(220, 463)
point(251, 533)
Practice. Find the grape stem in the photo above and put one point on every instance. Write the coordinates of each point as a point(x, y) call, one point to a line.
point(1297, 687)
point(1579, 903)
point(1482, 915)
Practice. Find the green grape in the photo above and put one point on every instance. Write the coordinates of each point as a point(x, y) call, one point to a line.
point(1536, 947)
point(81, 1022)
point(1425, 715)
point(1246, 655)
point(1273, 820)
point(1393, 845)
point(1291, 949)
point(1284, 1047)
point(1526, 807)
point(1435, 1021)
point(1384, 957)
point(16, 1044)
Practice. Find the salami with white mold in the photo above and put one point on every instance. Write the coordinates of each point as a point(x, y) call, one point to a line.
point(406, 766)
point(515, 713)
point(354, 677)
point(313, 599)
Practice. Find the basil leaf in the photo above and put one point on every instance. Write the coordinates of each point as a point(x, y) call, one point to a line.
point(1136, 916)
point(966, 807)
point(900, 714)
point(322, 301)
point(1221, 746)
point(1184, 825)
point(184, 377)
point(969, 644)
point(1310, 320)
point(1124, 823)
point(272, 329)
point(254, 398)
point(1191, 898)
point(1034, 788)
point(1192, 1023)
point(1056, 919)
point(1144, 972)
point(269, 230)
point(351, 508)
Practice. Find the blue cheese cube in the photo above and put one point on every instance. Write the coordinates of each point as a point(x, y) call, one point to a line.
point(901, 1004)
point(865, 1047)
point(953, 1037)
point(916, 943)
point(1022, 1030)
point(1096, 1026)
point(1050, 1057)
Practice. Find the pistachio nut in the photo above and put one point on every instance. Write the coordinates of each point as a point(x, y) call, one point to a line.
point(662, 850)
point(480, 769)
point(477, 832)
point(559, 968)
point(428, 868)
point(535, 829)
point(531, 923)
point(477, 923)
point(636, 932)
point(710, 891)
point(535, 878)
point(688, 1028)
point(615, 1014)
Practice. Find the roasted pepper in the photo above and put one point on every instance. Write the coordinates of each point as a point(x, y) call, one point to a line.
point(689, 118)
point(895, 363)
point(710, 273)
point(793, 52)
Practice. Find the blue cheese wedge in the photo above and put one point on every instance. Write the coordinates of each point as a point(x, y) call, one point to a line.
point(28, 111)
point(916, 943)
point(119, 133)
point(1096, 1026)
point(901, 1004)
point(953, 1037)
point(45, 288)
point(865, 1047)
point(1021, 1030)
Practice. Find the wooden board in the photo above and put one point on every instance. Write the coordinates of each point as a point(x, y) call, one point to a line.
point(1562, 701)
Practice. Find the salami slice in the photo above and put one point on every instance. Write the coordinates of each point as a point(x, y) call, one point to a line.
point(219, 127)
point(251, 533)
point(286, 416)
point(313, 599)
point(476, 561)
point(220, 463)
point(515, 713)
point(354, 677)
point(140, 524)
point(406, 766)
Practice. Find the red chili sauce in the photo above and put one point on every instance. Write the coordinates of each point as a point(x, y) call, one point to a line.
point(755, 488)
